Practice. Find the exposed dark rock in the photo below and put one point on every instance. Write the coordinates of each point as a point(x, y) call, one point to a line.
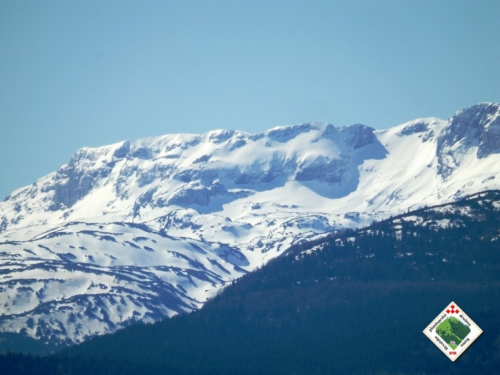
point(476, 126)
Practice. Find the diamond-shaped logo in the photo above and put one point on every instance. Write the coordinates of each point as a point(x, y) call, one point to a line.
point(452, 331)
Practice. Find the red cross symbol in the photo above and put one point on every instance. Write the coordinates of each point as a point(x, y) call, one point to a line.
point(453, 311)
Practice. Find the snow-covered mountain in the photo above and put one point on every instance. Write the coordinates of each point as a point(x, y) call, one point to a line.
point(140, 230)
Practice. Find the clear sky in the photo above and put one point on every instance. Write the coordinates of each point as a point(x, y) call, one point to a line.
point(91, 73)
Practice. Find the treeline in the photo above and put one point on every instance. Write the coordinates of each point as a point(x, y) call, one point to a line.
point(357, 304)
point(354, 329)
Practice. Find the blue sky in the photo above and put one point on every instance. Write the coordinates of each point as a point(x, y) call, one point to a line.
point(90, 73)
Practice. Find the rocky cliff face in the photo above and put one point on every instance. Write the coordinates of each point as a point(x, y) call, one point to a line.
point(143, 229)
point(187, 170)
point(477, 128)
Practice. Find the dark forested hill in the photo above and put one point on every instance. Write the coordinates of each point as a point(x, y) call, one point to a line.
point(354, 303)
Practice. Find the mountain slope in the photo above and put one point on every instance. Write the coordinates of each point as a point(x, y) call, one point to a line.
point(218, 205)
point(355, 302)
point(323, 306)
point(67, 275)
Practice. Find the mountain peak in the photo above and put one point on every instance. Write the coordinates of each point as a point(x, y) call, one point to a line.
point(178, 216)
point(475, 128)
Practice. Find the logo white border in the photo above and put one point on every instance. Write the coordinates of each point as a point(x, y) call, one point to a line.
point(458, 313)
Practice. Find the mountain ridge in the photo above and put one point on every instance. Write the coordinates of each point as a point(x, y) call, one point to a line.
point(218, 205)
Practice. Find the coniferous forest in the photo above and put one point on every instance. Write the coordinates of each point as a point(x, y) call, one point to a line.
point(353, 303)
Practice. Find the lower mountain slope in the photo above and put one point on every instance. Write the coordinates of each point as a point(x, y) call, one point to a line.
point(354, 303)
point(63, 286)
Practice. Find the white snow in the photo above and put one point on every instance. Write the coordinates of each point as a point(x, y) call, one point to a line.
point(213, 206)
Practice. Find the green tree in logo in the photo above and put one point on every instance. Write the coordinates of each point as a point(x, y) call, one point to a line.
point(452, 331)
